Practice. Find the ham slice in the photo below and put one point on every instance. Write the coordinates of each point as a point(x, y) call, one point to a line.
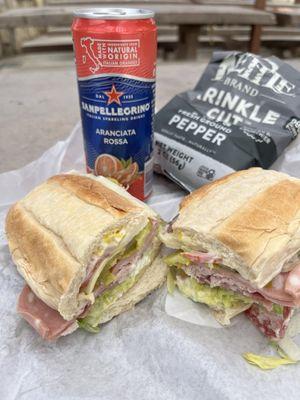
point(276, 291)
point(200, 257)
point(44, 319)
point(292, 282)
point(222, 277)
point(48, 322)
point(123, 268)
point(91, 268)
point(284, 288)
point(94, 264)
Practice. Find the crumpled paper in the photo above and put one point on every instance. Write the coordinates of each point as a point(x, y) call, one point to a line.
point(142, 354)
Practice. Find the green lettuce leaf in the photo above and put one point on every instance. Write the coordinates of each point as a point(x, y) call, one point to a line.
point(87, 327)
point(170, 281)
point(110, 296)
point(176, 259)
point(216, 297)
point(140, 237)
point(277, 309)
point(108, 278)
point(103, 302)
point(266, 362)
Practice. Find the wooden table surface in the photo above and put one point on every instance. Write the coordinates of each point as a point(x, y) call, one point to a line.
point(190, 14)
point(287, 16)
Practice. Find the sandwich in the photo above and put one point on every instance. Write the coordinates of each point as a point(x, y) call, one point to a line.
point(87, 250)
point(235, 246)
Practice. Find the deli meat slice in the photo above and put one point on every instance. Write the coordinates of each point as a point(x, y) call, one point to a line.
point(221, 277)
point(48, 322)
point(94, 264)
point(44, 319)
point(200, 257)
point(269, 323)
point(97, 260)
point(284, 288)
point(292, 283)
point(125, 267)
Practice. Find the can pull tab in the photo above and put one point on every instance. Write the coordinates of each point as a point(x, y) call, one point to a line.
point(110, 11)
point(114, 13)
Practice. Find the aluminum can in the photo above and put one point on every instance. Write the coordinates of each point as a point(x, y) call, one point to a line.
point(115, 53)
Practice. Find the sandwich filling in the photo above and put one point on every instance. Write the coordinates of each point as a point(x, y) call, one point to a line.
point(203, 278)
point(110, 273)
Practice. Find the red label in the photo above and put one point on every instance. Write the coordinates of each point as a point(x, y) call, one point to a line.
point(115, 47)
point(116, 62)
point(112, 53)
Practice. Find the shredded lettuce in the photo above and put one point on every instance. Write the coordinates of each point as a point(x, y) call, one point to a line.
point(289, 343)
point(225, 302)
point(176, 259)
point(216, 297)
point(140, 237)
point(266, 362)
point(279, 350)
point(287, 350)
point(170, 282)
point(84, 325)
point(104, 301)
point(110, 296)
point(277, 309)
point(108, 278)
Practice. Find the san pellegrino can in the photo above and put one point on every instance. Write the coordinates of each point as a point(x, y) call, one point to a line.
point(115, 52)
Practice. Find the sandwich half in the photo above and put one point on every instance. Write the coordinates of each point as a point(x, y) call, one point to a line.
point(86, 249)
point(236, 248)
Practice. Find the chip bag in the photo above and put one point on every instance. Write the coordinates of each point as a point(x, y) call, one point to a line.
point(243, 112)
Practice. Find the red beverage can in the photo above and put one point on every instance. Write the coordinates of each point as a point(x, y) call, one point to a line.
point(115, 52)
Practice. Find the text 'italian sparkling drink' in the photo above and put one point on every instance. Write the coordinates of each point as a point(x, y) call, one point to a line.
point(115, 51)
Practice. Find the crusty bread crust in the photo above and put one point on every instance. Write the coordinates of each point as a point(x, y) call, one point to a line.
point(95, 193)
point(251, 219)
point(53, 232)
point(41, 256)
point(201, 192)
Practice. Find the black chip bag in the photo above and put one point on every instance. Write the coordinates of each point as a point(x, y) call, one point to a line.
point(243, 112)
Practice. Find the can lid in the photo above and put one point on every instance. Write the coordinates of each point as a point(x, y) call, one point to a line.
point(114, 13)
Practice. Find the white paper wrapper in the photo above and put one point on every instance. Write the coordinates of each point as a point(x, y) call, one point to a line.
point(142, 354)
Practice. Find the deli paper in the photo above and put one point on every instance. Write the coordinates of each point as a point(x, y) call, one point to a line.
point(142, 354)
